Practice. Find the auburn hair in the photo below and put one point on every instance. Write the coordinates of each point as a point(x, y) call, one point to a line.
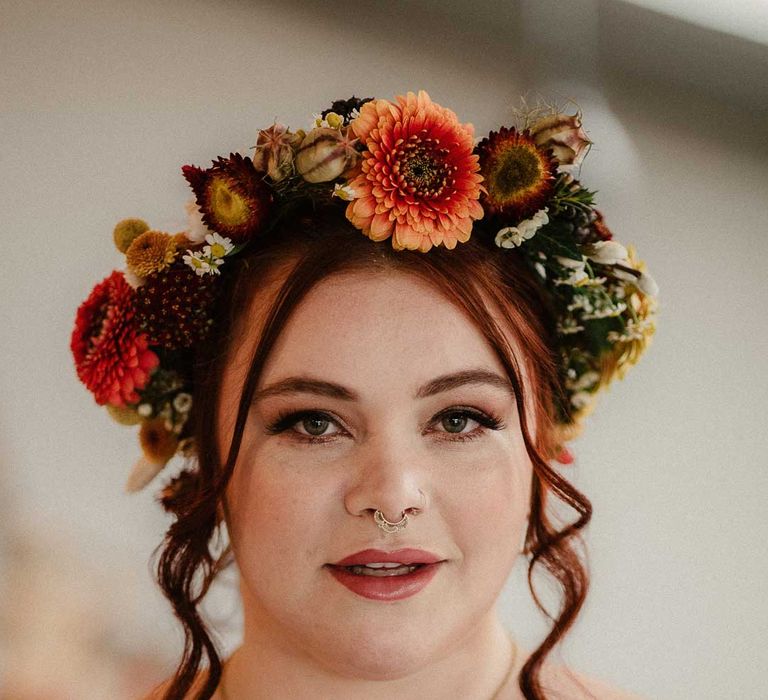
point(483, 281)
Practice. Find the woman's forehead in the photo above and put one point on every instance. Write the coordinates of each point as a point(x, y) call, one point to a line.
point(380, 325)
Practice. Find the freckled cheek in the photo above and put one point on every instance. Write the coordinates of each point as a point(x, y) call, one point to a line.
point(275, 509)
point(486, 506)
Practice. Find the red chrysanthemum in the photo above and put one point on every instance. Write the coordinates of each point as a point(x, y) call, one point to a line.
point(233, 198)
point(519, 176)
point(112, 356)
point(419, 180)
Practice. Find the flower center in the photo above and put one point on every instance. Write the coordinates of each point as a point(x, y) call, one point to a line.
point(422, 168)
point(228, 206)
point(518, 169)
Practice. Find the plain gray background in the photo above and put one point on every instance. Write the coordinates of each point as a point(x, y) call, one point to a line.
point(102, 102)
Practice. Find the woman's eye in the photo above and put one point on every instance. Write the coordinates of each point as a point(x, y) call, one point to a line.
point(310, 426)
point(455, 422)
point(314, 426)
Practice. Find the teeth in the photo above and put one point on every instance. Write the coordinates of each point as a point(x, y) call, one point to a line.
point(399, 570)
point(385, 565)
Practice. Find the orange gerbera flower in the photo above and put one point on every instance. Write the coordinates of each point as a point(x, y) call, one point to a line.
point(418, 179)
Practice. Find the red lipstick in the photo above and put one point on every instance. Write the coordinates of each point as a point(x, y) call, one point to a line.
point(402, 556)
point(379, 575)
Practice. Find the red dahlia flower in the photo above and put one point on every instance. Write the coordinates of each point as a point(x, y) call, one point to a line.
point(111, 355)
point(419, 180)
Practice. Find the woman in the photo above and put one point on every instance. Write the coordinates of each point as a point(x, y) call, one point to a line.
point(374, 425)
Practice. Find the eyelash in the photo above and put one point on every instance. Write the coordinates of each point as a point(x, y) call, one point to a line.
point(285, 421)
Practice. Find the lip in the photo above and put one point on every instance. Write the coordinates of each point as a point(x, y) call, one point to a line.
point(402, 556)
point(386, 588)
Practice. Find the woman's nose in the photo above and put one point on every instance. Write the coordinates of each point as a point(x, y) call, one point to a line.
point(388, 479)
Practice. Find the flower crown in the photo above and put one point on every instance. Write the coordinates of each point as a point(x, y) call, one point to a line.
point(404, 170)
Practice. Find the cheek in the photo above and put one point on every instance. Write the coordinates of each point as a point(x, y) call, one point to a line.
point(488, 503)
point(274, 508)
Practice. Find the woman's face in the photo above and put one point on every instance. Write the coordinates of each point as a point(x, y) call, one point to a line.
point(369, 418)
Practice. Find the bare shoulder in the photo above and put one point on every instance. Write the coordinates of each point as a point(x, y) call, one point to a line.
point(568, 684)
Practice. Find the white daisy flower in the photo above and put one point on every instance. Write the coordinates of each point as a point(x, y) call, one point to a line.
point(218, 246)
point(345, 192)
point(197, 262)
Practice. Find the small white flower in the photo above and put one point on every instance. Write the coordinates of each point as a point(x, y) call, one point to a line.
point(578, 275)
point(508, 237)
point(354, 114)
point(571, 262)
point(581, 301)
point(330, 121)
point(182, 402)
point(197, 263)
point(581, 399)
point(513, 236)
point(606, 311)
point(647, 285)
point(218, 246)
point(593, 282)
point(608, 253)
point(642, 280)
point(569, 326)
point(144, 410)
point(540, 217)
point(577, 278)
point(585, 381)
point(635, 330)
point(210, 259)
point(345, 192)
point(541, 270)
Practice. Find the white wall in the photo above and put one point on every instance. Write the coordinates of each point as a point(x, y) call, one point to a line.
point(102, 102)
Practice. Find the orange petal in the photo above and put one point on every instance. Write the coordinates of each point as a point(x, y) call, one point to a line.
point(365, 207)
point(381, 227)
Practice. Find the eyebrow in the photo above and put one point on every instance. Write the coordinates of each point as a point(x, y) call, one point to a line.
point(445, 382)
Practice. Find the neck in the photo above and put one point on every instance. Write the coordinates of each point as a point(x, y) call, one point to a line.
point(267, 666)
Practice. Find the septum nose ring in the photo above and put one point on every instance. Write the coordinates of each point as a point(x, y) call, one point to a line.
point(389, 527)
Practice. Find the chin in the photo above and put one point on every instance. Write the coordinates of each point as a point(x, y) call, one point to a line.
point(379, 654)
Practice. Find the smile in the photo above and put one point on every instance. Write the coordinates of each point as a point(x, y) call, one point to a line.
point(385, 584)
point(383, 569)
